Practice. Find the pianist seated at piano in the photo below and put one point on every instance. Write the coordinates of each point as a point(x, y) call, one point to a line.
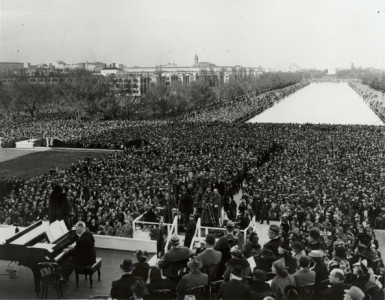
point(82, 254)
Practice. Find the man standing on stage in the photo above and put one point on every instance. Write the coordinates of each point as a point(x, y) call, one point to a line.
point(217, 206)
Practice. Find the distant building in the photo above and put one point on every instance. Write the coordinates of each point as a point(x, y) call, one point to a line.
point(94, 66)
point(110, 70)
point(294, 68)
point(62, 65)
point(11, 66)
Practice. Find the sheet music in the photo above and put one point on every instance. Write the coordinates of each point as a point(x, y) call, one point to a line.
point(25, 238)
point(252, 263)
point(54, 231)
point(63, 226)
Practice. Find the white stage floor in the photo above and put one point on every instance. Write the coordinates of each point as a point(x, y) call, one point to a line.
point(328, 103)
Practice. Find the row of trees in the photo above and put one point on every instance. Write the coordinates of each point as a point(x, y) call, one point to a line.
point(85, 96)
point(373, 78)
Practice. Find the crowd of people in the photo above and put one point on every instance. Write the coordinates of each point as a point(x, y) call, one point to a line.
point(325, 183)
point(371, 98)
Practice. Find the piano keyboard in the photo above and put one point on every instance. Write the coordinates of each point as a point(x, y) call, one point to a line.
point(60, 256)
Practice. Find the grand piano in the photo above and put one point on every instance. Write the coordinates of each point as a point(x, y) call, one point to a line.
point(32, 246)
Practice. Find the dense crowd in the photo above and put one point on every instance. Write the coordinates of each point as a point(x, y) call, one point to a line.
point(116, 134)
point(371, 98)
point(324, 182)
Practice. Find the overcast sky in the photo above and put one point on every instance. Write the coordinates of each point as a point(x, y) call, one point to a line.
point(312, 34)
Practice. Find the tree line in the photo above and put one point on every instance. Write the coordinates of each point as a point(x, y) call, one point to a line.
point(82, 96)
point(372, 77)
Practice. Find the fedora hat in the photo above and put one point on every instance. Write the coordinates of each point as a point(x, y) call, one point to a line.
point(174, 240)
point(355, 292)
point(195, 263)
point(141, 254)
point(127, 265)
point(267, 253)
point(139, 288)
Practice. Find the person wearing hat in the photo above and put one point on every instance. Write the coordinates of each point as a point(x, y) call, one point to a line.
point(313, 241)
point(304, 275)
point(59, 206)
point(141, 267)
point(339, 260)
point(265, 260)
point(284, 252)
point(259, 284)
point(139, 289)
point(282, 278)
point(360, 269)
point(190, 231)
point(193, 279)
point(235, 289)
point(275, 240)
point(222, 246)
point(337, 290)
point(120, 287)
point(210, 256)
point(354, 293)
point(176, 253)
point(321, 272)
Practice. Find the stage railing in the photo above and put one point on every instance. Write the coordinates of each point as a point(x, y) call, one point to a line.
point(174, 228)
point(197, 233)
point(138, 221)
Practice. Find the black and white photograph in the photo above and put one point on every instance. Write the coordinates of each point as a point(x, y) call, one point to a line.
point(192, 149)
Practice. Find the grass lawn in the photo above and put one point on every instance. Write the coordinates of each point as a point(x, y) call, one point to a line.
point(29, 163)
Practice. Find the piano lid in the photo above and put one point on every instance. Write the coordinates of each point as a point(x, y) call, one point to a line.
point(29, 234)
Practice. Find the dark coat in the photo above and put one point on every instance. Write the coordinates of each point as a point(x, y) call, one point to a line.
point(141, 270)
point(160, 284)
point(121, 287)
point(59, 208)
point(273, 245)
point(84, 253)
point(335, 292)
point(235, 290)
point(190, 231)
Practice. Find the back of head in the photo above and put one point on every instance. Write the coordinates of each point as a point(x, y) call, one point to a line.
point(292, 294)
point(155, 272)
point(280, 268)
point(304, 261)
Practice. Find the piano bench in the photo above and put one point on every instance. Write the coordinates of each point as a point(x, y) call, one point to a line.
point(89, 271)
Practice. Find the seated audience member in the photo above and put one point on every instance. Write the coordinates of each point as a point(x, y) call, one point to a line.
point(354, 293)
point(193, 279)
point(292, 293)
point(265, 260)
point(139, 290)
point(259, 284)
point(157, 282)
point(304, 275)
point(284, 252)
point(339, 260)
point(321, 273)
point(141, 267)
point(298, 250)
point(210, 256)
point(82, 255)
point(282, 278)
point(361, 271)
point(176, 253)
point(201, 248)
point(337, 290)
point(120, 288)
point(235, 289)
point(237, 259)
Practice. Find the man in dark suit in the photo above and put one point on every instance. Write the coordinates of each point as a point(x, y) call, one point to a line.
point(223, 246)
point(321, 273)
point(217, 206)
point(176, 253)
point(235, 289)
point(336, 291)
point(275, 241)
point(82, 254)
point(210, 256)
point(304, 275)
point(190, 231)
point(120, 288)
